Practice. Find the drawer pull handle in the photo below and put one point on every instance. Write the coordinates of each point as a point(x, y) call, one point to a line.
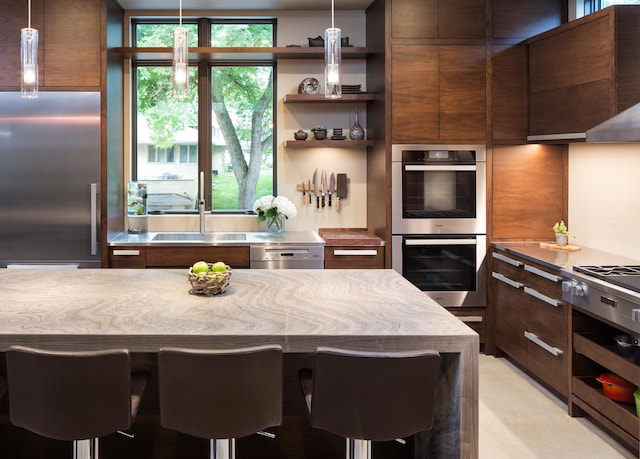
point(550, 349)
point(126, 252)
point(506, 280)
point(470, 319)
point(511, 261)
point(536, 294)
point(541, 273)
point(342, 252)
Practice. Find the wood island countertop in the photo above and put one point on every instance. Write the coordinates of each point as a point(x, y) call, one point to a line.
point(143, 310)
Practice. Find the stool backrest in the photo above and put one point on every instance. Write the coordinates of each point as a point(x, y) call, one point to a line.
point(69, 395)
point(218, 394)
point(373, 395)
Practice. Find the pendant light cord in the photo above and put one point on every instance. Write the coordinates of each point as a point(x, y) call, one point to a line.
point(180, 12)
point(29, 13)
point(332, 14)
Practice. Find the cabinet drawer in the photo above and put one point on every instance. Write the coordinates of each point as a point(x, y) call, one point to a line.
point(547, 363)
point(129, 257)
point(354, 257)
point(474, 318)
point(183, 257)
point(507, 265)
point(547, 283)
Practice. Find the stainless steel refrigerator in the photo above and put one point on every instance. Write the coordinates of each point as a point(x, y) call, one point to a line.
point(49, 179)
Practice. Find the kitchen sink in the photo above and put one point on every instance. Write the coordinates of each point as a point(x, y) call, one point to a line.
point(204, 237)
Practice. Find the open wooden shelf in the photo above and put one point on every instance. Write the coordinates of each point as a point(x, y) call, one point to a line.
point(328, 143)
point(240, 54)
point(316, 98)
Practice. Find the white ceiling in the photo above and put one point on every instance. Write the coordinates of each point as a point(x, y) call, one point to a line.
point(244, 4)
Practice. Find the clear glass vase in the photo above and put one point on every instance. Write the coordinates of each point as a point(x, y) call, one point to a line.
point(275, 225)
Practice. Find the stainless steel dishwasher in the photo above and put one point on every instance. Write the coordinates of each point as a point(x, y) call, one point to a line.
point(282, 257)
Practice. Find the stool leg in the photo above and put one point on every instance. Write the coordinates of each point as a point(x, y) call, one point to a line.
point(223, 448)
point(85, 449)
point(358, 449)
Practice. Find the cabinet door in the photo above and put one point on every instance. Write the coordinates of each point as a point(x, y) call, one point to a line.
point(72, 44)
point(183, 257)
point(509, 96)
point(507, 290)
point(461, 74)
point(438, 18)
point(414, 85)
point(354, 257)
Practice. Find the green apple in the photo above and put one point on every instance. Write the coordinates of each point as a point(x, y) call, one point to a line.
point(200, 267)
point(219, 267)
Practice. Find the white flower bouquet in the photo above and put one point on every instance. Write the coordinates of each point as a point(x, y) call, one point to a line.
point(274, 209)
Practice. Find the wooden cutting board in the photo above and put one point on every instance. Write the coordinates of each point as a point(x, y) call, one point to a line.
point(348, 236)
point(567, 248)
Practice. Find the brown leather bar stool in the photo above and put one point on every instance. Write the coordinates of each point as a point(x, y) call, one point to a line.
point(220, 395)
point(73, 396)
point(365, 396)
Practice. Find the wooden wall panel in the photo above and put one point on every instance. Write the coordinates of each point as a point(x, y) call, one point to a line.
point(414, 19)
point(529, 190)
point(462, 19)
point(526, 18)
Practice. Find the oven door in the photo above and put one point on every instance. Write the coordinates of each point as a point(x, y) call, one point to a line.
point(450, 269)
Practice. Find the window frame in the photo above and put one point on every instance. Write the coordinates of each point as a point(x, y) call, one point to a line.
point(204, 66)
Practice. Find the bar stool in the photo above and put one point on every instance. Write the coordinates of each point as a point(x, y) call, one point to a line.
point(73, 396)
point(365, 396)
point(3, 387)
point(220, 395)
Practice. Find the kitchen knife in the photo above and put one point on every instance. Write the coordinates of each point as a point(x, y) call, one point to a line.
point(341, 180)
point(332, 186)
point(309, 189)
point(315, 188)
point(324, 186)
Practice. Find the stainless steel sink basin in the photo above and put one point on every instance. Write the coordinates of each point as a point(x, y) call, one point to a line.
point(204, 237)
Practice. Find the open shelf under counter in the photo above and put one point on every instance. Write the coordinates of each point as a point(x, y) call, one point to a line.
point(244, 54)
point(328, 143)
point(317, 98)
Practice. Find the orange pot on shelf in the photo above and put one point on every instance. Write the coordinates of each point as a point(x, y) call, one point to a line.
point(617, 388)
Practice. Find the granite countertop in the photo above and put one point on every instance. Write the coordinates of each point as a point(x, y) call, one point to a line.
point(152, 307)
point(227, 238)
point(562, 259)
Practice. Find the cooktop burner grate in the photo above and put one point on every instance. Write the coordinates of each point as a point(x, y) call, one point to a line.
point(604, 271)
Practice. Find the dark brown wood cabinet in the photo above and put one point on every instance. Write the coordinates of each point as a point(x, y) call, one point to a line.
point(438, 18)
point(70, 43)
point(530, 187)
point(176, 257)
point(354, 257)
point(439, 92)
point(584, 72)
point(530, 318)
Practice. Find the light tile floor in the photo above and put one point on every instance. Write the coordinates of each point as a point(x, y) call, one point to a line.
point(520, 419)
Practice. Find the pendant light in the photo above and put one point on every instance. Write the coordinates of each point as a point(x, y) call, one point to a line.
point(29, 61)
point(332, 58)
point(180, 60)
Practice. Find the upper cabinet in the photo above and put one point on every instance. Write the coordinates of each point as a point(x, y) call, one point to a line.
point(584, 72)
point(438, 19)
point(70, 38)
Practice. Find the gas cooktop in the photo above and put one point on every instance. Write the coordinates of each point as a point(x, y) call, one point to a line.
point(622, 276)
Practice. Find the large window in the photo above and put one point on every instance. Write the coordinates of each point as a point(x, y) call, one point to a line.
point(591, 6)
point(228, 134)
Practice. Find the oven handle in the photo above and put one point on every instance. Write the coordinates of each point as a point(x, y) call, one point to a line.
point(444, 167)
point(440, 241)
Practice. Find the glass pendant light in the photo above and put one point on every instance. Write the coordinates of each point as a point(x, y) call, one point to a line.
point(29, 61)
point(332, 58)
point(180, 60)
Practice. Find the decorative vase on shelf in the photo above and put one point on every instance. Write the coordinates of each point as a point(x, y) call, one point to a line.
point(356, 132)
point(275, 225)
point(562, 239)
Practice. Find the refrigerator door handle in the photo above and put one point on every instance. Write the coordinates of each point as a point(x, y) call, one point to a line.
point(94, 219)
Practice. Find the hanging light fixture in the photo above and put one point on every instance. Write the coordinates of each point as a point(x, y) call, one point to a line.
point(29, 61)
point(332, 58)
point(180, 60)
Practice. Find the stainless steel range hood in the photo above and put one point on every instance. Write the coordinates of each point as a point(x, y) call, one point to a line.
point(623, 127)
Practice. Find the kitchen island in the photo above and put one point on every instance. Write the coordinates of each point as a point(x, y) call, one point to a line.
point(143, 310)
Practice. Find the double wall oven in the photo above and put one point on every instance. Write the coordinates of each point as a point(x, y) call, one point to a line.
point(439, 220)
